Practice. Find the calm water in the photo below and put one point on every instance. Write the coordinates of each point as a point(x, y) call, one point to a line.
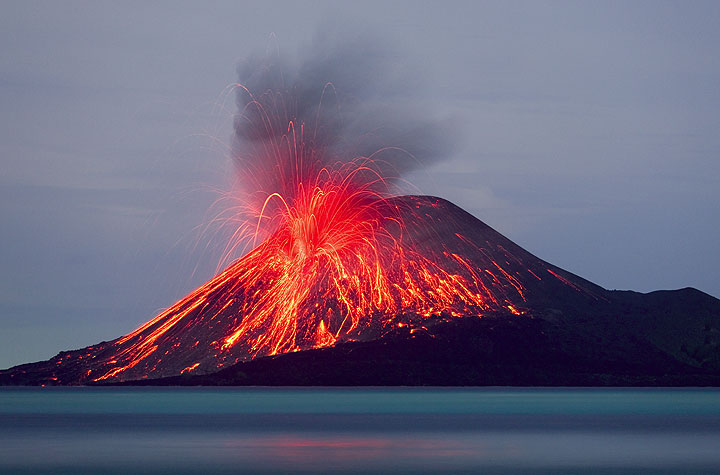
point(402, 430)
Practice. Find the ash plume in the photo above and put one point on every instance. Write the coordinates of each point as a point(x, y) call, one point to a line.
point(353, 98)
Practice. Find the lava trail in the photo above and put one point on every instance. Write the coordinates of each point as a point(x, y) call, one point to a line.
point(322, 250)
point(336, 261)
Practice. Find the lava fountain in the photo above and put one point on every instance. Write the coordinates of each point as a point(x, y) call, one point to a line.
point(335, 260)
point(322, 250)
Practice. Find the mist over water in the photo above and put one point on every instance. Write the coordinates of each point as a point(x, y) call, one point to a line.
point(458, 430)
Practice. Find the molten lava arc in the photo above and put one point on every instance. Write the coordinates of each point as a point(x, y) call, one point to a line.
point(335, 257)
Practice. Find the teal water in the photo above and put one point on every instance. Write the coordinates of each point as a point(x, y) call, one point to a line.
point(375, 430)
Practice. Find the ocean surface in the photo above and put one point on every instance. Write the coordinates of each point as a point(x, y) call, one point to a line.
point(359, 430)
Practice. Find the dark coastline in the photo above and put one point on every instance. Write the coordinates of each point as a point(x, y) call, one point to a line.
point(471, 352)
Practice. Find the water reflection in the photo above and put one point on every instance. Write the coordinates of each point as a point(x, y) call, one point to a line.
point(607, 436)
point(346, 450)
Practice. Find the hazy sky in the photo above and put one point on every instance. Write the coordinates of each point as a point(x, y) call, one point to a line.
point(588, 132)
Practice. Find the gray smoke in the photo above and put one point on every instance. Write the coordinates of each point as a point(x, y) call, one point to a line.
point(356, 98)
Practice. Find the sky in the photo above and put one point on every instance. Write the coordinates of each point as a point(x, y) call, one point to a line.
point(586, 132)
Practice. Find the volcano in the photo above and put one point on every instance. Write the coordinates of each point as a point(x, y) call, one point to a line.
point(325, 255)
point(446, 300)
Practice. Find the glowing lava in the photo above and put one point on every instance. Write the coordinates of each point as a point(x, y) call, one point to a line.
point(338, 260)
point(335, 257)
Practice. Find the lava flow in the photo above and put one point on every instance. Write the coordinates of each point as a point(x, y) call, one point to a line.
point(338, 261)
point(335, 257)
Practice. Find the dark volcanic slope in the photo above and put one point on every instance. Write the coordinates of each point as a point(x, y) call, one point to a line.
point(656, 339)
point(543, 326)
point(491, 351)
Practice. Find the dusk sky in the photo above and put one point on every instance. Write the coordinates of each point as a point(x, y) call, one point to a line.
point(586, 132)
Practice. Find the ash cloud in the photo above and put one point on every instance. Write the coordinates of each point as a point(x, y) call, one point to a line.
point(356, 98)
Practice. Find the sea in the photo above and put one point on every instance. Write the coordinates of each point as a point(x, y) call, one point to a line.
point(359, 430)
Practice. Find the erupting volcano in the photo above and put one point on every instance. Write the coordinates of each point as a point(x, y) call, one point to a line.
point(401, 262)
point(339, 259)
point(336, 256)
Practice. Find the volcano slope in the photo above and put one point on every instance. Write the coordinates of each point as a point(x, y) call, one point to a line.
point(463, 305)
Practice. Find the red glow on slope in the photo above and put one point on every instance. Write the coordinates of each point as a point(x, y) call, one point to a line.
point(190, 368)
point(338, 258)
